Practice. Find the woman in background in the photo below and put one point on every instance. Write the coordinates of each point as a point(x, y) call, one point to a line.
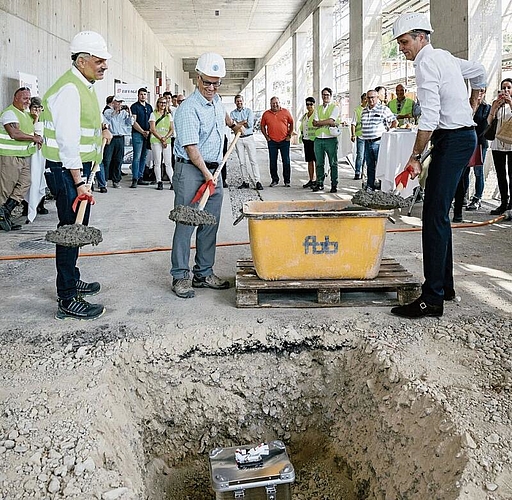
point(307, 135)
point(161, 127)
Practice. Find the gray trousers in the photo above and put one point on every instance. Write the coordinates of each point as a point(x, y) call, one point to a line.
point(186, 180)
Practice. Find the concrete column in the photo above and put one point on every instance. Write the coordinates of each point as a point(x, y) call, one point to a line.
point(299, 73)
point(471, 30)
point(269, 85)
point(365, 47)
point(323, 39)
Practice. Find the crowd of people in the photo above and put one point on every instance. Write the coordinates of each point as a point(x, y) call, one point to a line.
point(187, 139)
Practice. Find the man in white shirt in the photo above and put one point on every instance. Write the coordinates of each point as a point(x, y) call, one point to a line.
point(446, 120)
point(72, 143)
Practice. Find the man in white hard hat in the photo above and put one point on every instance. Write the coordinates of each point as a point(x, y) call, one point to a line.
point(72, 142)
point(446, 120)
point(200, 122)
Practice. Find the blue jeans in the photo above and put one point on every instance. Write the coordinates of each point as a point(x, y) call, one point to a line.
point(100, 176)
point(479, 177)
point(273, 149)
point(450, 155)
point(62, 186)
point(359, 155)
point(186, 180)
point(371, 153)
point(139, 155)
point(113, 155)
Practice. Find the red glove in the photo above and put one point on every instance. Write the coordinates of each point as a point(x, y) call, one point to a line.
point(207, 185)
point(403, 177)
point(82, 197)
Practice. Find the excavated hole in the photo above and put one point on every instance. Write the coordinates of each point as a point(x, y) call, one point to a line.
point(354, 428)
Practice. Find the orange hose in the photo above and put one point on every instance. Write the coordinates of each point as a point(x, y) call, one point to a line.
point(236, 243)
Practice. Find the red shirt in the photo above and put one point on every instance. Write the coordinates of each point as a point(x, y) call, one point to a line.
point(278, 126)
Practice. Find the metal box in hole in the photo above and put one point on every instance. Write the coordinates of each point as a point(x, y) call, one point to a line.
point(262, 472)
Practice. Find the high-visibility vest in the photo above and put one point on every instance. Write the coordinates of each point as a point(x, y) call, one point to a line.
point(406, 108)
point(90, 121)
point(306, 126)
point(359, 129)
point(162, 128)
point(324, 114)
point(12, 147)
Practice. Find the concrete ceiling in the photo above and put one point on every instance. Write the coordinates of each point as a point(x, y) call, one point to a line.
point(248, 33)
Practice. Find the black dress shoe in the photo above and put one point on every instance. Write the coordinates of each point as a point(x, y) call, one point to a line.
point(317, 187)
point(417, 309)
point(500, 210)
point(308, 184)
point(244, 185)
point(357, 177)
point(449, 295)
point(140, 182)
point(457, 218)
point(134, 183)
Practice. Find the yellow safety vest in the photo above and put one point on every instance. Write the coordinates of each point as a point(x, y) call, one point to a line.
point(12, 147)
point(90, 121)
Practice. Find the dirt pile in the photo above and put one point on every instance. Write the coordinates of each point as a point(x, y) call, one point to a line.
point(367, 411)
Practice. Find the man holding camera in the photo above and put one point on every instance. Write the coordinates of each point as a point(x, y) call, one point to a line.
point(119, 121)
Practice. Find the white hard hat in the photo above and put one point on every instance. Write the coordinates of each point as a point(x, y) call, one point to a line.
point(410, 21)
point(211, 64)
point(90, 42)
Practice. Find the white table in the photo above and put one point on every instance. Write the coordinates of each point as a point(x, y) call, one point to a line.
point(345, 145)
point(394, 152)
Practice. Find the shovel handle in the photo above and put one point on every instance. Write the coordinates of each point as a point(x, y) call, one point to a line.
point(83, 204)
point(206, 194)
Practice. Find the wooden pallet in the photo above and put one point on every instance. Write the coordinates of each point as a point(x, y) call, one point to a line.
point(393, 285)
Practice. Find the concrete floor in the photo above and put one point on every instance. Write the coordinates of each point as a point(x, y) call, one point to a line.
point(136, 285)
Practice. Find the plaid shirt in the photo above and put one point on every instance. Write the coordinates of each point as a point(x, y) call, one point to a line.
point(199, 121)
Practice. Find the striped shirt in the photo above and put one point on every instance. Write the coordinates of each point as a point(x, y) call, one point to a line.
point(376, 121)
point(201, 122)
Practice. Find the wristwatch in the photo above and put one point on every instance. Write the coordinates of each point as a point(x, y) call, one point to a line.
point(416, 157)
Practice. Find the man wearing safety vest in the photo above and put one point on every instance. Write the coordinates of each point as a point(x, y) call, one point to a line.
point(326, 142)
point(72, 142)
point(402, 107)
point(18, 143)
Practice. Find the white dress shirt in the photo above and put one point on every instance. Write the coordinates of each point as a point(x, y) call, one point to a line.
point(442, 92)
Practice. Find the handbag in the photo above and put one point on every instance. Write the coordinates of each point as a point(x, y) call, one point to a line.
point(504, 134)
point(490, 131)
point(476, 159)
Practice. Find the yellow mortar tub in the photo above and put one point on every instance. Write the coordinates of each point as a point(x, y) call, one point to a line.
point(315, 239)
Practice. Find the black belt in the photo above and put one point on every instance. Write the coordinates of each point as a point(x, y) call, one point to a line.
point(460, 129)
point(117, 136)
point(373, 140)
point(246, 135)
point(210, 165)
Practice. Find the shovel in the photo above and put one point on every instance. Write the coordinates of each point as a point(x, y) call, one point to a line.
point(197, 216)
point(78, 235)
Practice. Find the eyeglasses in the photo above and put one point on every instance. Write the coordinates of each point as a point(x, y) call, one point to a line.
point(206, 83)
point(310, 104)
point(326, 95)
point(162, 102)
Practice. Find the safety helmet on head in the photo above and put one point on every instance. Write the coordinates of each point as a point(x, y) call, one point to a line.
point(90, 42)
point(211, 64)
point(410, 21)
